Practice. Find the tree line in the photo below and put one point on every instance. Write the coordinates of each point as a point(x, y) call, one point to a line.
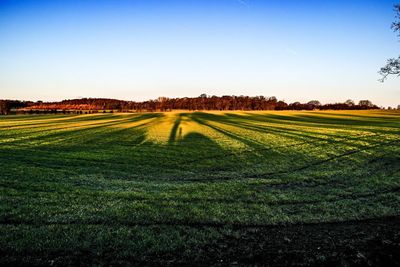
point(203, 102)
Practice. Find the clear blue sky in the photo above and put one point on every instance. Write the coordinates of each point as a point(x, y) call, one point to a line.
point(137, 50)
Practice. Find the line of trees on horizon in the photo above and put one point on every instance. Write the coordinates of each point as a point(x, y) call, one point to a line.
point(203, 102)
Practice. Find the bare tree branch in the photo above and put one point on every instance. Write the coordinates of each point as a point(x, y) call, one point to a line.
point(396, 24)
point(392, 66)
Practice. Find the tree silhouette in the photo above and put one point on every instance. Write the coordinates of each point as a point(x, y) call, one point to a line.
point(392, 66)
point(349, 102)
point(365, 103)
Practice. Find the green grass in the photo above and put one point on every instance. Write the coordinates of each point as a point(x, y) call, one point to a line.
point(107, 188)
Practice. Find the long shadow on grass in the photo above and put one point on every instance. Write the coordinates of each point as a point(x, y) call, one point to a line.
point(242, 122)
point(371, 116)
point(318, 120)
point(99, 140)
point(175, 127)
point(351, 140)
point(49, 127)
point(300, 137)
point(57, 120)
point(308, 164)
point(282, 128)
point(95, 135)
point(91, 143)
point(123, 152)
point(79, 131)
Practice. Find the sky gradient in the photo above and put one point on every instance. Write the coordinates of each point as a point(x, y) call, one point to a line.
point(139, 50)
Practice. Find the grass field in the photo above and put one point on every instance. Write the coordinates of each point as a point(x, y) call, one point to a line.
point(185, 187)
